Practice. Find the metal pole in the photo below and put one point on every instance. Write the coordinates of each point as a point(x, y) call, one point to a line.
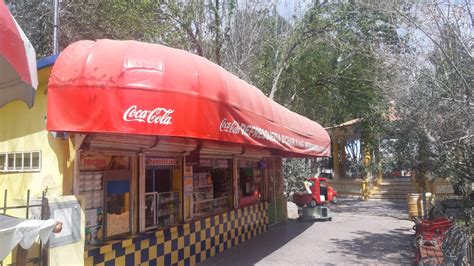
point(4, 212)
point(5, 202)
point(27, 203)
point(43, 247)
point(55, 27)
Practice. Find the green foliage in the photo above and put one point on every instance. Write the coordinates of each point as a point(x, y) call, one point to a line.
point(325, 65)
point(90, 20)
point(334, 64)
point(435, 111)
point(36, 20)
point(296, 172)
point(332, 73)
point(119, 19)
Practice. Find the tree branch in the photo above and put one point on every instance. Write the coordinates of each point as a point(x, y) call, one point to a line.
point(466, 84)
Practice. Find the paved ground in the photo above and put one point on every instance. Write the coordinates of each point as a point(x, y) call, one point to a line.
point(360, 233)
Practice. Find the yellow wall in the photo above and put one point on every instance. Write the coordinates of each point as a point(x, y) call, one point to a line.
point(23, 129)
point(70, 254)
point(177, 174)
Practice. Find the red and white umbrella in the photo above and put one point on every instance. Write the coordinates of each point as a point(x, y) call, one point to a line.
point(18, 76)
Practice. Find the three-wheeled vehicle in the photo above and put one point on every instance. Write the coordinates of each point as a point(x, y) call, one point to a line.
point(310, 202)
point(319, 193)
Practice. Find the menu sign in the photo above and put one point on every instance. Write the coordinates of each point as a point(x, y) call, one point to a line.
point(94, 161)
point(188, 185)
point(221, 163)
point(98, 162)
point(158, 161)
point(188, 170)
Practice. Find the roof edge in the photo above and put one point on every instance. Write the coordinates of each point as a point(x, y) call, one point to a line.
point(46, 61)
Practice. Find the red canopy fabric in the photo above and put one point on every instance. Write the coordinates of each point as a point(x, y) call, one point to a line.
point(18, 76)
point(139, 88)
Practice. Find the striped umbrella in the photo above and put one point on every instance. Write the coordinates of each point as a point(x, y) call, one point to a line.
point(18, 76)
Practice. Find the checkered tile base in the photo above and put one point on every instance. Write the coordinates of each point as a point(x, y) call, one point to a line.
point(186, 244)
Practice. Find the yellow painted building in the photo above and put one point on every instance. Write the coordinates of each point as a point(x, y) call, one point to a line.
point(23, 132)
point(31, 158)
point(48, 162)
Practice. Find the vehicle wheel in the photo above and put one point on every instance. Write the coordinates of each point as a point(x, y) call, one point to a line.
point(334, 200)
point(313, 203)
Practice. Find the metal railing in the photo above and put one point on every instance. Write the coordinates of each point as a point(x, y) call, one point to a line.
point(41, 259)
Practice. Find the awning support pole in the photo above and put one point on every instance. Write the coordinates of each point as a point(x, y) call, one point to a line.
point(78, 140)
point(55, 27)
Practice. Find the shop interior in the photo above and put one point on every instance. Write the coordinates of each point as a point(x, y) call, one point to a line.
point(108, 194)
point(162, 196)
point(117, 207)
point(212, 187)
point(104, 183)
point(250, 182)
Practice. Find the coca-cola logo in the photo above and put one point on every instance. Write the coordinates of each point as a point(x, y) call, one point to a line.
point(231, 127)
point(159, 115)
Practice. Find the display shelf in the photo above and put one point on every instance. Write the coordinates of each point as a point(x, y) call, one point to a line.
point(220, 204)
point(203, 193)
point(211, 205)
point(199, 187)
point(163, 214)
point(169, 202)
point(167, 208)
point(200, 214)
point(221, 198)
point(91, 187)
point(150, 210)
point(208, 191)
point(203, 201)
point(202, 197)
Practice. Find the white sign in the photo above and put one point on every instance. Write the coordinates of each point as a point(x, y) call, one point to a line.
point(158, 115)
point(156, 161)
point(234, 127)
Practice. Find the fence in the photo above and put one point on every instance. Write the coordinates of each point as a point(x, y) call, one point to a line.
point(41, 259)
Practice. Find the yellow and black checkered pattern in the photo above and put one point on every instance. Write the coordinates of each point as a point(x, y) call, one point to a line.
point(186, 244)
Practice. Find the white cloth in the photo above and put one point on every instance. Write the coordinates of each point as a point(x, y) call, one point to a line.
point(24, 233)
point(307, 186)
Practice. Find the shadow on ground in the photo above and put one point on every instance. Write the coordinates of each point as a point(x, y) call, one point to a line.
point(394, 209)
point(390, 246)
point(251, 251)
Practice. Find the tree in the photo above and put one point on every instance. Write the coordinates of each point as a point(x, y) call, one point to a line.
point(36, 20)
point(333, 75)
point(89, 20)
point(200, 26)
point(296, 172)
point(119, 19)
point(434, 94)
point(251, 29)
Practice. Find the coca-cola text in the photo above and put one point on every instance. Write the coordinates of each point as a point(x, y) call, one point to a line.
point(160, 116)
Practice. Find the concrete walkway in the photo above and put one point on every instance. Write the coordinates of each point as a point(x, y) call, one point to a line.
point(371, 232)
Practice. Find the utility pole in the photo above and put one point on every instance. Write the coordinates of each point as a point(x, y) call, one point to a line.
point(55, 27)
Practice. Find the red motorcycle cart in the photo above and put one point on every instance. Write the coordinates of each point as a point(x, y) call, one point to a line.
point(320, 193)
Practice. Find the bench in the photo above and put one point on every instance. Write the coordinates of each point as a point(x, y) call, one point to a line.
point(449, 248)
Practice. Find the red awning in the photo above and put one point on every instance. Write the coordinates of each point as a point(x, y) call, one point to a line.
point(139, 88)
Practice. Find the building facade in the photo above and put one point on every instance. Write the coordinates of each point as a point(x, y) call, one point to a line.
point(172, 159)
